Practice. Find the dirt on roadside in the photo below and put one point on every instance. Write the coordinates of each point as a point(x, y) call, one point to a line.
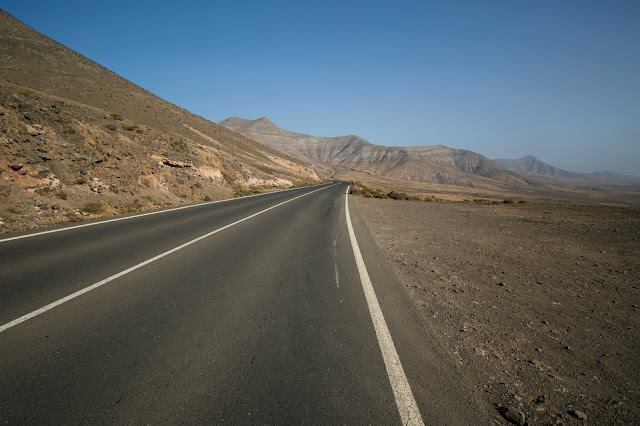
point(537, 302)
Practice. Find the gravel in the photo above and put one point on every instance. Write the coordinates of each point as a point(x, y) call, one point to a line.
point(537, 302)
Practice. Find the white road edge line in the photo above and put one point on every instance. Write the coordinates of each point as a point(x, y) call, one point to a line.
point(407, 407)
point(51, 231)
point(140, 265)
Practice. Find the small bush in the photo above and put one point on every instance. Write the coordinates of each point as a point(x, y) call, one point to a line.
point(140, 131)
point(72, 217)
point(15, 210)
point(197, 185)
point(150, 199)
point(397, 195)
point(358, 188)
point(180, 181)
point(134, 206)
point(508, 201)
point(241, 191)
point(522, 202)
point(129, 128)
point(93, 208)
point(110, 127)
point(62, 195)
point(117, 117)
point(206, 198)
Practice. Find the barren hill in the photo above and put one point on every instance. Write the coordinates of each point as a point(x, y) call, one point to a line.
point(69, 126)
point(436, 164)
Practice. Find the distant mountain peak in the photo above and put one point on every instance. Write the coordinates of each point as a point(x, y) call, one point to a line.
point(531, 166)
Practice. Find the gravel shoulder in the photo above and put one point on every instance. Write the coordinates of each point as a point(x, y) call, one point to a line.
point(537, 302)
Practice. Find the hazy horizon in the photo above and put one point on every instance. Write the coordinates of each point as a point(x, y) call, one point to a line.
point(556, 80)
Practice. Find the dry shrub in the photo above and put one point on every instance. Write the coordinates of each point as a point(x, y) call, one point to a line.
point(93, 208)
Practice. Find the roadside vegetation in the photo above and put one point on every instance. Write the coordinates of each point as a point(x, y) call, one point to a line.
point(485, 201)
point(359, 188)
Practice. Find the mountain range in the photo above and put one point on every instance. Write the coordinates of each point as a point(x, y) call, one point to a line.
point(531, 166)
point(437, 163)
point(353, 156)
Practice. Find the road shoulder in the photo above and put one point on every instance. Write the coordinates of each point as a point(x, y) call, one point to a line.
point(443, 394)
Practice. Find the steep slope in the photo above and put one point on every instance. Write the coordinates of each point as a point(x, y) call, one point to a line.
point(330, 155)
point(69, 126)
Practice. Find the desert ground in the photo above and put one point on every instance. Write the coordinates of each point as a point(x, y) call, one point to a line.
point(537, 301)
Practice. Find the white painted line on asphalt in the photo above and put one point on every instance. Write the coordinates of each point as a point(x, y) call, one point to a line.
point(51, 231)
point(140, 265)
point(407, 407)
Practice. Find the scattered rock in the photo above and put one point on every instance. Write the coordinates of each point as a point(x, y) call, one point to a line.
point(83, 179)
point(178, 164)
point(578, 414)
point(38, 203)
point(56, 207)
point(34, 130)
point(96, 186)
point(513, 415)
point(16, 166)
point(41, 171)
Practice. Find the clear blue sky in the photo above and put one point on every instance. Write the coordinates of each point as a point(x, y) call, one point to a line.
point(558, 79)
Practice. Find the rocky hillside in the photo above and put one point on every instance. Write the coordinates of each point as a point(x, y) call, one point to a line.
point(77, 140)
point(438, 163)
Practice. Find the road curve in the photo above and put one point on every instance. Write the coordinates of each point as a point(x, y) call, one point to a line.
point(240, 312)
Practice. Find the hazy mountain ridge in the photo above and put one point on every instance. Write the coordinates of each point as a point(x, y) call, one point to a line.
point(436, 163)
point(533, 167)
point(72, 132)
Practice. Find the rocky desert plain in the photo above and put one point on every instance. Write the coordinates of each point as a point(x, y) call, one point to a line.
point(528, 275)
point(537, 301)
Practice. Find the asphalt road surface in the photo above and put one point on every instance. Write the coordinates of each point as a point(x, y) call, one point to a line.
point(248, 311)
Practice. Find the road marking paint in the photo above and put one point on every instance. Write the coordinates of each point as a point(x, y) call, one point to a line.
point(51, 231)
point(407, 407)
point(140, 265)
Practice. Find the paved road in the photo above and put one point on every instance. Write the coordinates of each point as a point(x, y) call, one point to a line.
point(259, 316)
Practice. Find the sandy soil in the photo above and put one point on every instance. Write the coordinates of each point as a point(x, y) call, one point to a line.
point(538, 302)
